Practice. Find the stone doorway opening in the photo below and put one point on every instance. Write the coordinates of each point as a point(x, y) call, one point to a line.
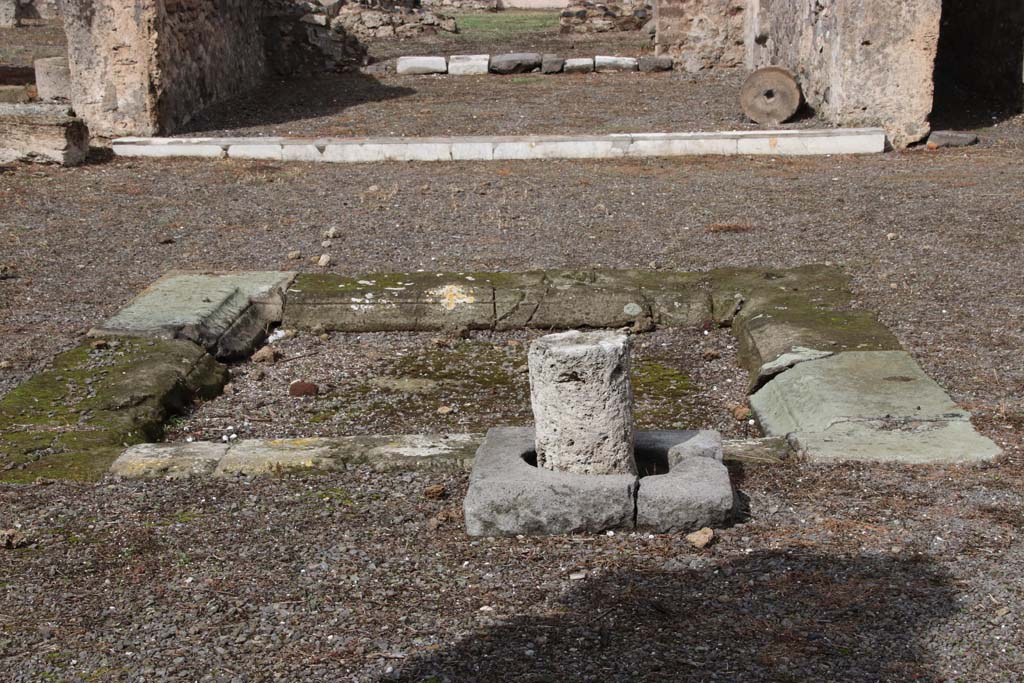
point(979, 66)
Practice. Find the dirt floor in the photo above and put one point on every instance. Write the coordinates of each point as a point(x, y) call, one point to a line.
point(842, 572)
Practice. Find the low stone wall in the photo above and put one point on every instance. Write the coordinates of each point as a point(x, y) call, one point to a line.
point(596, 17)
point(146, 66)
point(859, 63)
point(701, 34)
point(365, 23)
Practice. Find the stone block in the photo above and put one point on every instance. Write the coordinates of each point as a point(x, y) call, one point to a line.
point(256, 150)
point(468, 65)
point(812, 142)
point(353, 152)
point(421, 65)
point(277, 456)
point(951, 138)
point(516, 63)
point(53, 78)
point(169, 460)
point(652, 63)
point(868, 405)
point(168, 151)
point(227, 314)
point(42, 133)
point(578, 65)
point(15, 94)
point(470, 150)
point(551, 64)
point(588, 299)
point(606, 64)
point(583, 402)
point(301, 152)
point(417, 150)
point(508, 496)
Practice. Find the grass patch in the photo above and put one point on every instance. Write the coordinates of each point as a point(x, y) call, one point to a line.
point(498, 25)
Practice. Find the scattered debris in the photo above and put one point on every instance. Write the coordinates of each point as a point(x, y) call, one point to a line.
point(267, 354)
point(435, 492)
point(11, 539)
point(701, 538)
point(302, 389)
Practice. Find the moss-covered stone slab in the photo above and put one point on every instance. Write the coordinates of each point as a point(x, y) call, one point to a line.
point(795, 315)
point(227, 313)
point(71, 420)
point(875, 406)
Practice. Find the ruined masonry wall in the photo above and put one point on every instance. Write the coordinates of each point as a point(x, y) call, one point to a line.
point(865, 63)
point(701, 34)
point(144, 67)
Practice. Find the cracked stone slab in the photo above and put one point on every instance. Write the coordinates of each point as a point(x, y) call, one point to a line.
point(507, 496)
point(870, 406)
point(225, 313)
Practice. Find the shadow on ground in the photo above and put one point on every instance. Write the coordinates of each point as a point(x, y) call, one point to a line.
point(295, 99)
point(769, 616)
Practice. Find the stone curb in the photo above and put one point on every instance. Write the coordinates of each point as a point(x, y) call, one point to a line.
point(404, 452)
point(802, 142)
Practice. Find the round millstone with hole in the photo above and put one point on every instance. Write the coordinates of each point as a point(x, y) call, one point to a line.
point(770, 95)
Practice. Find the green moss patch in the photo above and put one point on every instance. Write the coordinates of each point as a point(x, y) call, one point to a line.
point(72, 420)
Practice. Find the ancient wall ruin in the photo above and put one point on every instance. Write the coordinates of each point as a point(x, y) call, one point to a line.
point(142, 67)
point(701, 34)
point(859, 63)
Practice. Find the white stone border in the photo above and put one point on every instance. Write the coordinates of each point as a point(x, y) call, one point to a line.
point(803, 142)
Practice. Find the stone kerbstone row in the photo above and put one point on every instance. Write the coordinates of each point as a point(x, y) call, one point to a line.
point(583, 402)
point(418, 65)
point(516, 62)
point(468, 65)
point(551, 64)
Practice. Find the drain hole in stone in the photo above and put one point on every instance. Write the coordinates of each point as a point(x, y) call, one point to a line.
point(769, 95)
point(649, 462)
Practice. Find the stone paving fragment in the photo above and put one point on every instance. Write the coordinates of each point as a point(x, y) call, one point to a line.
point(414, 65)
point(468, 65)
point(868, 405)
point(227, 313)
point(951, 138)
point(516, 62)
point(578, 65)
point(605, 64)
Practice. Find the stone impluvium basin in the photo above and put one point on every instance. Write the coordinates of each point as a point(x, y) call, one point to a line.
point(583, 468)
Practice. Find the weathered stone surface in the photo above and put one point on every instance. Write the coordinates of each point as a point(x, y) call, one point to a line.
point(8, 13)
point(578, 65)
point(701, 34)
point(228, 314)
point(508, 496)
point(468, 65)
point(145, 67)
point(606, 64)
point(415, 65)
point(652, 63)
point(583, 402)
point(169, 460)
point(53, 78)
point(73, 419)
point(43, 133)
point(770, 95)
point(584, 16)
point(551, 64)
point(277, 456)
point(696, 491)
point(951, 138)
point(873, 405)
point(859, 63)
point(516, 62)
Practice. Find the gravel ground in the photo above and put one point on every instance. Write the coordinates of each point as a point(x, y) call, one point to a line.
point(357, 104)
point(420, 383)
point(849, 573)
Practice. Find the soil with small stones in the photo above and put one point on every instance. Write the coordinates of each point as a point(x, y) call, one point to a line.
point(420, 383)
point(360, 105)
point(845, 572)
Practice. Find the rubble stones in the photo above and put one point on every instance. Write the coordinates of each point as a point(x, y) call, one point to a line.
point(595, 17)
point(701, 34)
point(367, 23)
point(421, 65)
point(583, 402)
point(516, 62)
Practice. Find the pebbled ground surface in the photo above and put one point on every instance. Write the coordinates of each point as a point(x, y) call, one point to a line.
point(847, 573)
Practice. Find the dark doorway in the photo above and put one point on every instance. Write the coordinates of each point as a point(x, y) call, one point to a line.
point(979, 67)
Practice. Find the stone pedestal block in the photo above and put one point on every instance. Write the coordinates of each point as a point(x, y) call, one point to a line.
point(583, 402)
point(42, 133)
point(53, 78)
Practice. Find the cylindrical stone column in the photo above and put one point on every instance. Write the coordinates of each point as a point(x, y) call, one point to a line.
point(583, 402)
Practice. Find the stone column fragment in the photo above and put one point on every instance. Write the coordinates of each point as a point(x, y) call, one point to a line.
point(583, 402)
